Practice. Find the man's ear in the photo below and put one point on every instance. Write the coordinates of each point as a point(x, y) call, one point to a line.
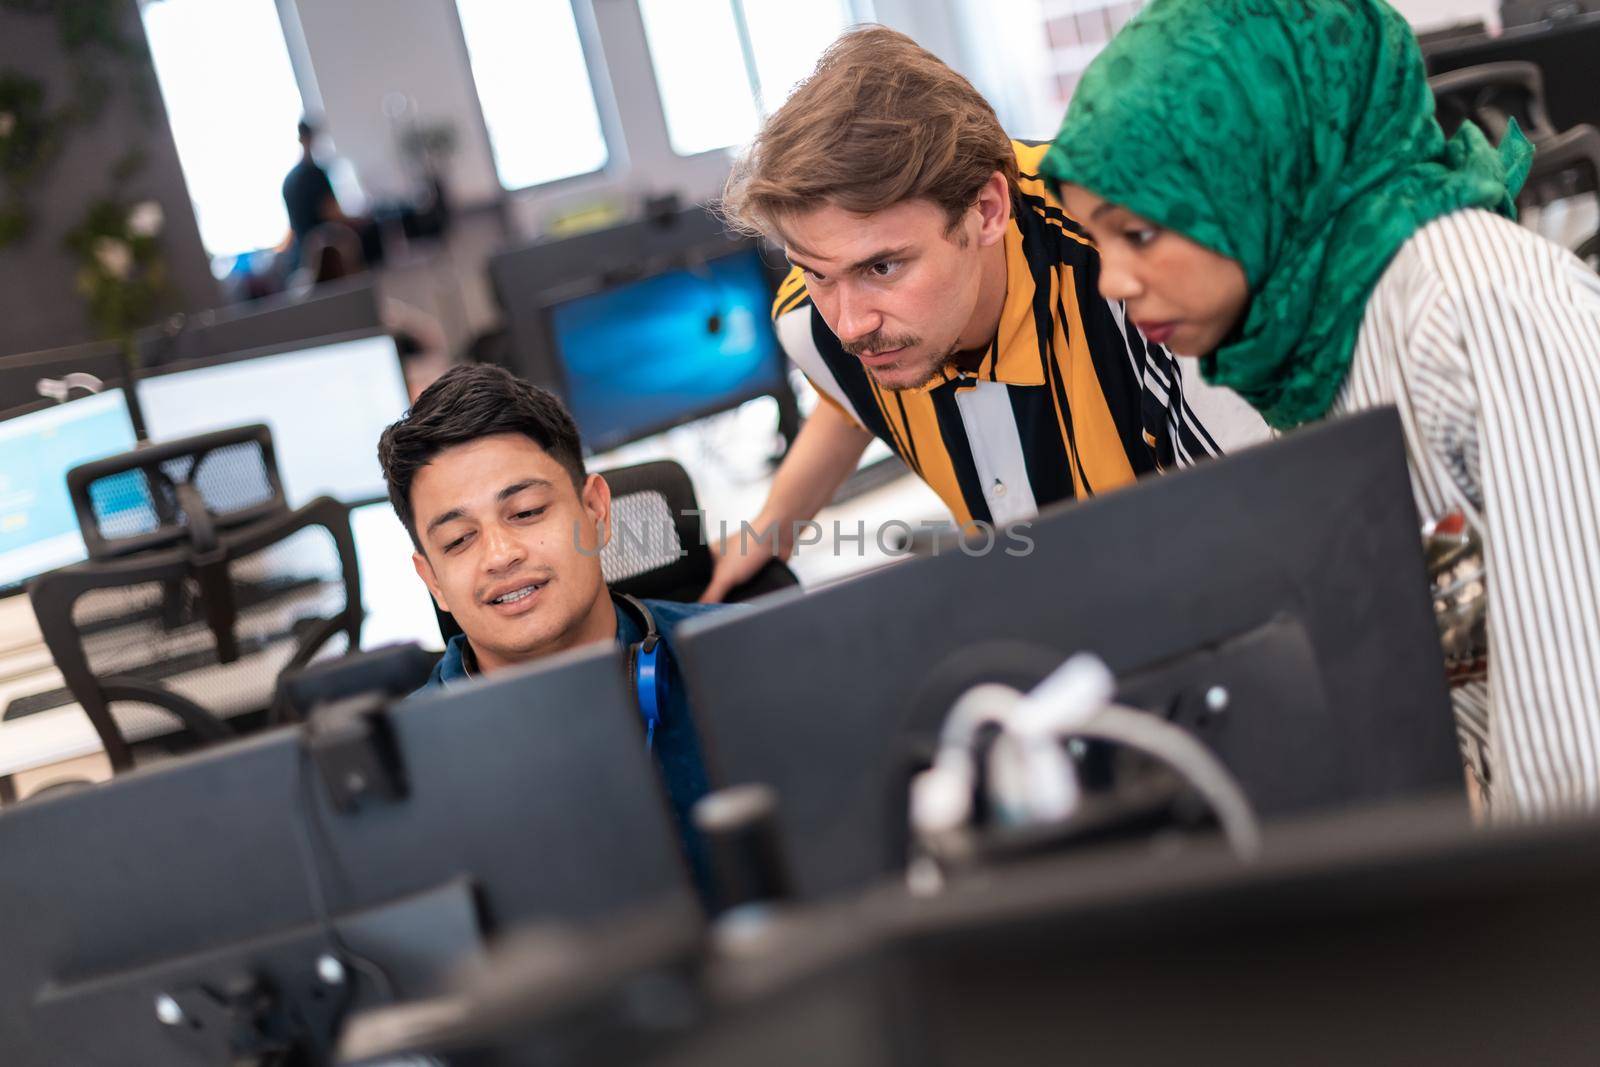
point(994, 209)
point(429, 579)
point(596, 497)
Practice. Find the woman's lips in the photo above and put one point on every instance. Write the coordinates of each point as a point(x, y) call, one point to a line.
point(1158, 333)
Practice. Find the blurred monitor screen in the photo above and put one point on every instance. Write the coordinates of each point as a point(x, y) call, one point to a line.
point(655, 353)
point(326, 404)
point(398, 605)
point(38, 528)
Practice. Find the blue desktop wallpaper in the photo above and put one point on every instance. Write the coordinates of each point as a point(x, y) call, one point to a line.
point(38, 528)
point(644, 354)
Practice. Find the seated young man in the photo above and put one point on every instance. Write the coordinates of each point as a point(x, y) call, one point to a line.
point(486, 472)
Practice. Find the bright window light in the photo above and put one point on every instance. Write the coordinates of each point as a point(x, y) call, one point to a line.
point(233, 102)
point(787, 38)
point(703, 67)
point(538, 102)
point(700, 72)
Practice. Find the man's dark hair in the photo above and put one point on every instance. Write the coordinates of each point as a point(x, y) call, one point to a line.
point(466, 403)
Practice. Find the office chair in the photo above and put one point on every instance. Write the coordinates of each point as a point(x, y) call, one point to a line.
point(658, 546)
point(1565, 163)
point(658, 539)
point(201, 587)
point(1491, 95)
point(1568, 165)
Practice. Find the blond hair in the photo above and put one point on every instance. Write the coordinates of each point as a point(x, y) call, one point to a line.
point(881, 120)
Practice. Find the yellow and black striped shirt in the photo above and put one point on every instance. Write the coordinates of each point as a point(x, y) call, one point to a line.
point(1069, 400)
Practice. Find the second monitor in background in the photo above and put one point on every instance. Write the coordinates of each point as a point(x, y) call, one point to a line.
point(651, 354)
point(645, 326)
point(326, 402)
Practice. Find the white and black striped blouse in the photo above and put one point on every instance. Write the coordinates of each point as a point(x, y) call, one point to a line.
point(1487, 338)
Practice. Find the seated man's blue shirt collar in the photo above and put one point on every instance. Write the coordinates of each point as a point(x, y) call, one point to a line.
point(453, 665)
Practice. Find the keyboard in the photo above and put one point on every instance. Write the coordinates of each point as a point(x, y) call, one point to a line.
point(33, 703)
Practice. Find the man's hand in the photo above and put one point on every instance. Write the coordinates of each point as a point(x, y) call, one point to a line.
point(824, 453)
point(738, 559)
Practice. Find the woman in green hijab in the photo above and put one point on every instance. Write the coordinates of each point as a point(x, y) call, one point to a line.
point(1270, 192)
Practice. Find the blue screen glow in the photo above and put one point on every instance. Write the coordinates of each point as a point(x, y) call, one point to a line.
point(38, 528)
point(664, 349)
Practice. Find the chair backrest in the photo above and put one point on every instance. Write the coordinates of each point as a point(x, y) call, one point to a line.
point(1568, 165)
point(202, 587)
point(658, 545)
point(1490, 96)
point(171, 493)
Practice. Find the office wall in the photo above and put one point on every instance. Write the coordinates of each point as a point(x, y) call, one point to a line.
point(41, 307)
point(360, 51)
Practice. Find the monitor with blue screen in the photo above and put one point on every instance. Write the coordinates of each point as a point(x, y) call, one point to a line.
point(657, 352)
point(38, 528)
point(326, 402)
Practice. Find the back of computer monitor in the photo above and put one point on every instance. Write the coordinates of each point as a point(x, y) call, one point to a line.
point(1291, 575)
point(537, 785)
point(326, 311)
point(523, 798)
point(21, 374)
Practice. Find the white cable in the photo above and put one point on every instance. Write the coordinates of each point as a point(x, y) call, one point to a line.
point(941, 796)
point(1035, 780)
point(58, 389)
point(1030, 776)
point(982, 705)
point(1144, 732)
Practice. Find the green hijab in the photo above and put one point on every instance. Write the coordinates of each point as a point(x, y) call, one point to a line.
point(1296, 137)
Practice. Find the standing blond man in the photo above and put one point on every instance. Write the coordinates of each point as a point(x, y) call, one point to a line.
point(942, 301)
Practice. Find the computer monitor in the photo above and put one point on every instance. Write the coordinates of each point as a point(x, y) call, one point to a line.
point(645, 326)
point(398, 606)
point(329, 310)
point(1290, 574)
point(525, 798)
point(38, 526)
point(326, 404)
point(647, 355)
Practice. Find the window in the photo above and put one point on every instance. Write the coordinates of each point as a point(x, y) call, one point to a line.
point(720, 64)
point(233, 102)
point(534, 87)
point(1076, 31)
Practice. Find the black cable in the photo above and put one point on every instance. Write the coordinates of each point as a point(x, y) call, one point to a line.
point(308, 822)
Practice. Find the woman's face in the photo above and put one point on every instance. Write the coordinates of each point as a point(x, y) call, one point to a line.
point(1180, 294)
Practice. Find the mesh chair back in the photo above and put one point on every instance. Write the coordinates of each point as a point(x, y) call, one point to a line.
point(658, 539)
point(658, 545)
point(166, 494)
point(195, 626)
